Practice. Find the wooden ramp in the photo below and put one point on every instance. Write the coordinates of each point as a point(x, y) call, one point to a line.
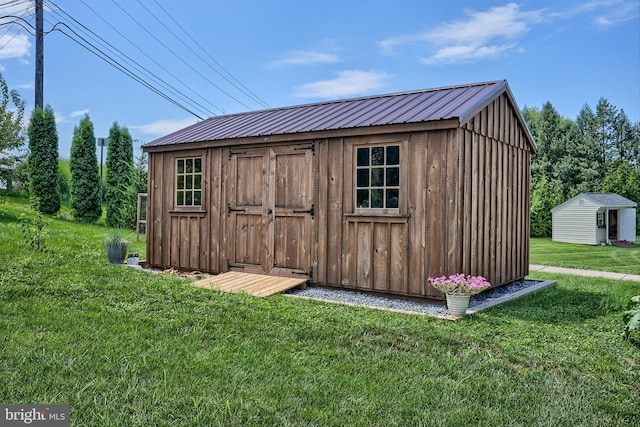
point(258, 285)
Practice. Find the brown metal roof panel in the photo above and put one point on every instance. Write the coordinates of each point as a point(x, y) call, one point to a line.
point(418, 106)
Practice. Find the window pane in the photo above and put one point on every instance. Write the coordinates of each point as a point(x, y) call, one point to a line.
point(363, 177)
point(377, 156)
point(197, 198)
point(188, 181)
point(377, 177)
point(180, 198)
point(377, 198)
point(197, 165)
point(393, 155)
point(189, 166)
point(393, 177)
point(362, 199)
point(392, 198)
point(363, 157)
point(188, 198)
point(180, 166)
point(180, 183)
point(197, 182)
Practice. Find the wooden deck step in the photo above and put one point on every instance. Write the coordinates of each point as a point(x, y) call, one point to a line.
point(258, 285)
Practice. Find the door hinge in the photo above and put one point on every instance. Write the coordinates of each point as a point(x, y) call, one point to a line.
point(230, 266)
point(233, 153)
point(311, 147)
point(311, 211)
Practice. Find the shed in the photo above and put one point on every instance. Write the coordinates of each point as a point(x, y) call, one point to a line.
point(594, 218)
point(375, 193)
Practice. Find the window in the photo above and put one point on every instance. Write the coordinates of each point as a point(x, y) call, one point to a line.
point(189, 182)
point(378, 177)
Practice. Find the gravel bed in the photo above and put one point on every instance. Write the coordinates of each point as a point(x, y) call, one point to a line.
point(360, 298)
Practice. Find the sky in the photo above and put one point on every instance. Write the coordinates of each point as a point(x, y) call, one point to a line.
point(213, 57)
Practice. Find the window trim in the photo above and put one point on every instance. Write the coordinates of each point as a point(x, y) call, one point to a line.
point(402, 185)
point(191, 207)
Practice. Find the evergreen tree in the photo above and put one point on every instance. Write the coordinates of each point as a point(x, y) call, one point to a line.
point(43, 161)
point(12, 137)
point(85, 176)
point(119, 173)
point(546, 195)
point(129, 209)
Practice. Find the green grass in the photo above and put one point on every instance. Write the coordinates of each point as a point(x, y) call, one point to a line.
point(604, 258)
point(128, 348)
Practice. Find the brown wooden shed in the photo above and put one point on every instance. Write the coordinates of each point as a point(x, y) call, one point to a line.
point(374, 193)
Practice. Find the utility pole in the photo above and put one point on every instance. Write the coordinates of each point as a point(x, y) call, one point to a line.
point(39, 54)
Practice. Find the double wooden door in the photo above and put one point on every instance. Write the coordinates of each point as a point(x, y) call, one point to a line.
point(270, 210)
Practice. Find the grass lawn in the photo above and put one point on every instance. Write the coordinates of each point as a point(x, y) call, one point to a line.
point(605, 258)
point(128, 348)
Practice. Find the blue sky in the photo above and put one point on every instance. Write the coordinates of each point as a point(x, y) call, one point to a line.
point(228, 56)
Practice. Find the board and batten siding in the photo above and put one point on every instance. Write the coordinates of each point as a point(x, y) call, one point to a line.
point(575, 222)
point(464, 207)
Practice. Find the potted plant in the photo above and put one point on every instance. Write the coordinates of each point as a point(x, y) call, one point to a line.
point(458, 288)
point(117, 247)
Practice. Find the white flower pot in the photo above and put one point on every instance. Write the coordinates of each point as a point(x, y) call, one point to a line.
point(457, 304)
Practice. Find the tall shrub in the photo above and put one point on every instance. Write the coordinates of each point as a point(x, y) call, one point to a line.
point(119, 173)
point(85, 175)
point(43, 161)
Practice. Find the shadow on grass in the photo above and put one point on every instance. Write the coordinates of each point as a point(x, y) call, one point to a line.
point(556, 306)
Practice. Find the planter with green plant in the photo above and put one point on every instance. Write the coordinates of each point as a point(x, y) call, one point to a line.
point(117, 247)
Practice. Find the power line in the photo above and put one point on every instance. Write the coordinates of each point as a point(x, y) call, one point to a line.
point(180, 58)
point(100, 54)
point(149, 57)
point(125, 57)
point(24, 11)
point(231, 79)
point(14, 1)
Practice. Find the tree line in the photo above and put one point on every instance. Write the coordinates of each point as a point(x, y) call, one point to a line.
point(48, 187)
point(599, 151)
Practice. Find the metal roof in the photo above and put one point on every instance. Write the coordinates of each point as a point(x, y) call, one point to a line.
point(456, 102)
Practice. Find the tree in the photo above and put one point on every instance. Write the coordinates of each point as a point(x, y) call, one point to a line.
point(12, 137)
point(129, 209)
point(546, 195)
point(119, 173)
point(85, 176)
point(43, 161)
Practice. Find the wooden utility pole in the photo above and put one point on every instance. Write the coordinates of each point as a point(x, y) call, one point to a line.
point(39, 54)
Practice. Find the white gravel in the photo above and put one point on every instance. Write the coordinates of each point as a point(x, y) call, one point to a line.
point(360, 298)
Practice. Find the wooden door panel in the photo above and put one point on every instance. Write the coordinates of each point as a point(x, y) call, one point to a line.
point(250, 181)
point(291, 250)
point(291, 181)
point(249, 234)
point(291, 168)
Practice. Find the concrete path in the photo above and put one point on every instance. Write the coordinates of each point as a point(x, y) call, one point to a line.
point(587, 273)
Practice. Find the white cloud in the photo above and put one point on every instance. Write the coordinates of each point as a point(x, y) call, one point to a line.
point(305, 57)
point(347, 83)
point(618, 13)
point(482, 35)
point(15, 45)
point(78, 113)
point(163, 127)
point(467, 53)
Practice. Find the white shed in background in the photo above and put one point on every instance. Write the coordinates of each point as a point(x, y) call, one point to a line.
point(595, 218)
